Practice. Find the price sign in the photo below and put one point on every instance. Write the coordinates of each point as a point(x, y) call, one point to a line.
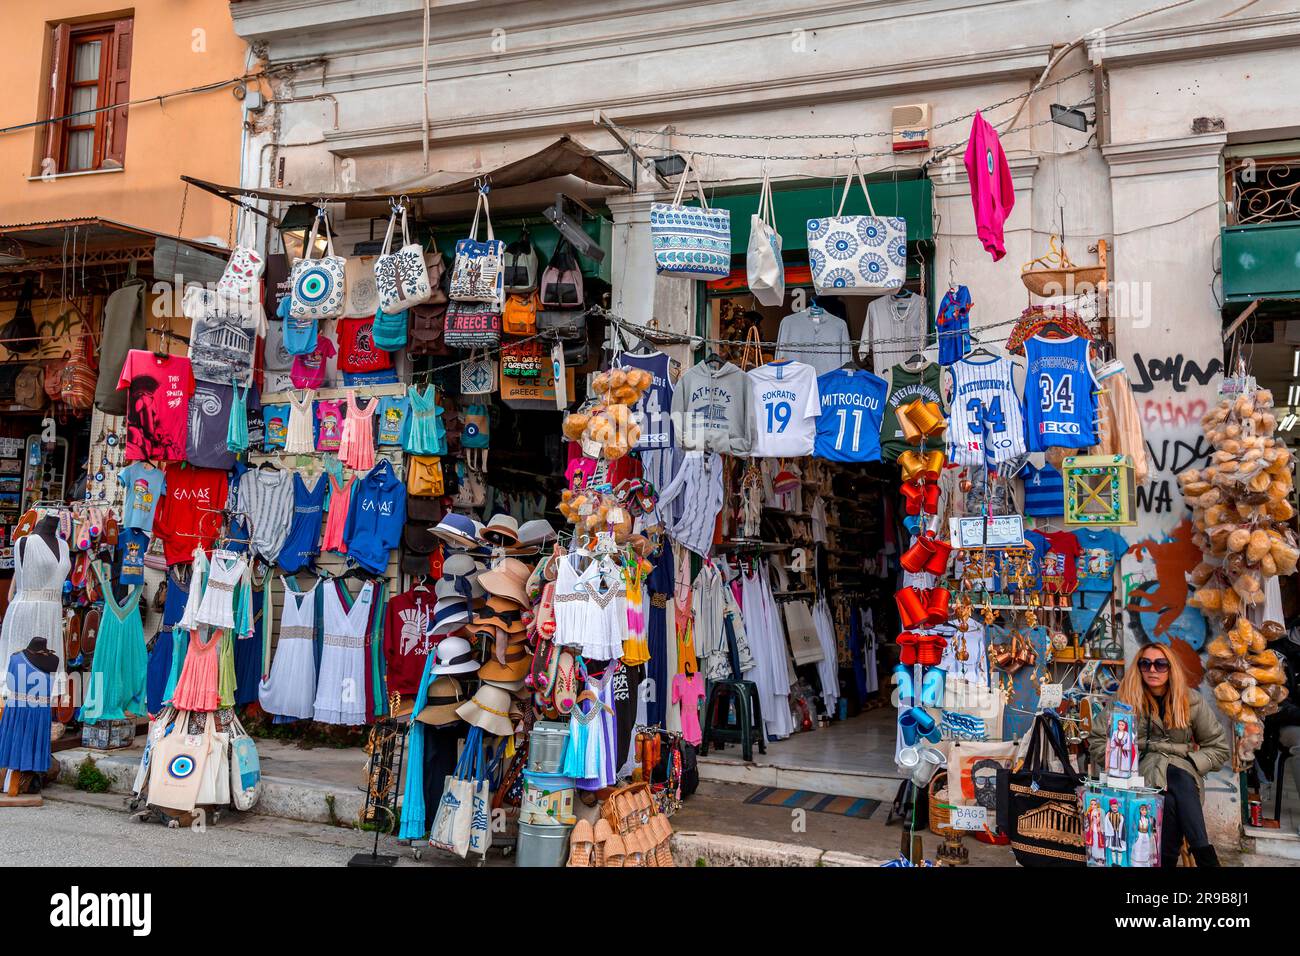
point(969, 818)
point(1050, 697)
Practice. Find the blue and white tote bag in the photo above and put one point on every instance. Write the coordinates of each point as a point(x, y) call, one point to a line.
point(316, 285)
point(478, 274)
point(857, 255)
point(691, 242)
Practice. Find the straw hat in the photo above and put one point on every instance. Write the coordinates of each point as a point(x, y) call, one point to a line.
point(516, 666)
point(454, 655)
point(506, 614)
point(445, 695)
point(507, 580)
point(505, 527)
point(490, 709)
point(458, 530)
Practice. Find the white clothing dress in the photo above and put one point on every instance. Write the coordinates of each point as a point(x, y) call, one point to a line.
point(300, 438)
point(225, 570)
point(341, 689)
point(590, 610)
point(766, 636)
point(290, 689)
point(37, 607)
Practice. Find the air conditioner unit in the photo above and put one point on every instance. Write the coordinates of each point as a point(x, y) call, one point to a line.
point(911, 127)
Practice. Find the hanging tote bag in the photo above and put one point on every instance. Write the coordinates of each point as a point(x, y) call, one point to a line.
point(451, 822)
point(214, 788)
point(239, 282)
point(478, 376)
point(690, 242)
point(1038, 808)
point(78, 377)
point(401, 278)
point(480, 818)
point(389, 331)
point(316, 285)
point(478, 275)
point(177, 766)
point(245, 768)
point(766, 271)
point(857, 255)
point(472, 325)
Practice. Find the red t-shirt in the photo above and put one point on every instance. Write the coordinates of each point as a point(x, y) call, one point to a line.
point(357, 351)
point(407, 642)
point(1060, 564)
point(158, 405)
point(180, 522)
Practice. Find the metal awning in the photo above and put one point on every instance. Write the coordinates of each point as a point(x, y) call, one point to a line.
point(88, 240)
point(564, 157)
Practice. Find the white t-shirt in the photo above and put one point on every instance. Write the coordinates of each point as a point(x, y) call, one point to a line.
point(786, 404)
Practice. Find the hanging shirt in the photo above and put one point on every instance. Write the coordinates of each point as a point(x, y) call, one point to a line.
point(357, 350)
point(131, 547)
point(190, 514)
point(144, 492)
point(786, 405)
point(711, 410)
point(275, 425)
point(1044, 491)
point(407, 641)
point(277, 360)
point(1099, 552)
point(308, 371)
point(329, 424)
point(905, 387)
point(952, 325)
point(375, 517)
point(209, 424)
point(223, 338)
point(894, 330)
point(852, 406)
point(266, 496)
point(391, 419)
point(157, 405)
point(992, 192)
point(1060, 563)
point(985, 423)
point(1060, 399)
point(816, 338)
point(653, 409)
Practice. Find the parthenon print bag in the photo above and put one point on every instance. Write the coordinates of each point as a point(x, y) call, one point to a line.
point(478, 272)
point(857, 255)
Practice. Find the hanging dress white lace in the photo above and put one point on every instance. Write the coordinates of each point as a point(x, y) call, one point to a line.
point(607, 612)
point(290, 689)
point(572, 604)
point(225, 571)
point(37, 607)
point(766, 636)
point(341, 689)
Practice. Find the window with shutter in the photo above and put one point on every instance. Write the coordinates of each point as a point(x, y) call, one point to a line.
point(90, 85)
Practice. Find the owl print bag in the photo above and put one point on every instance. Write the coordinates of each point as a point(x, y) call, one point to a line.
point(316, 285)
point(478, 274)
point(857, 255)
point(401, 277)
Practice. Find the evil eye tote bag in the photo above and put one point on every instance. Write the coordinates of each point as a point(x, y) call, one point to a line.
point(316, 285)
point(401, 277)
point(690, 242)
point(478, 273)
point(178, 764)
point(857, 255)
point(766, 271)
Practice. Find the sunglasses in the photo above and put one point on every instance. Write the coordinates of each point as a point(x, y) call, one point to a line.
point(1159, 665)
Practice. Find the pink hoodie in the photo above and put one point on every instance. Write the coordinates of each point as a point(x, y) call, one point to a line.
point(991, 191)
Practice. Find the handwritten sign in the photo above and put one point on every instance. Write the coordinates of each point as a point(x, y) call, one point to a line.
point(997, 531)
point(1050, 697)
point(969, 818)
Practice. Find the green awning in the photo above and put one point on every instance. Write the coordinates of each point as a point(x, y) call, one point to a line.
point(1261, 261)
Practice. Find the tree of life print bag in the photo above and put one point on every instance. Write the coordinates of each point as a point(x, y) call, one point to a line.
point(477, 274)
point(401, 277)
point(857, 255)
point(316, 285)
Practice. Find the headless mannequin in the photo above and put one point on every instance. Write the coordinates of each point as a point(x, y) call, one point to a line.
point(40, 656)
point(48, 531)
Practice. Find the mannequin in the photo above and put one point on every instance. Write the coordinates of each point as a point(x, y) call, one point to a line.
point(40, 656)
point(48, 531)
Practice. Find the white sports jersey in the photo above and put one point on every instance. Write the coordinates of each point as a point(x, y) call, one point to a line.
point(984, 408)
point(785, 404)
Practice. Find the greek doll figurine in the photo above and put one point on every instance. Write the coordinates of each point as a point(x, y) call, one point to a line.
point(1143, 845)
point(1094, 837)
point(1116, 841)
point(1121, 751)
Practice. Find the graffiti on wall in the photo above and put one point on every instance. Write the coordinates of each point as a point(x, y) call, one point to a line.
point(1173, 370)
point(1157, 603)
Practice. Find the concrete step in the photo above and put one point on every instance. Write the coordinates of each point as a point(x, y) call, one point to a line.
point(789, 775)
point(1275, 844)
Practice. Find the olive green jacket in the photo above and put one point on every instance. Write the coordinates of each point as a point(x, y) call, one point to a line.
point(1199, 748)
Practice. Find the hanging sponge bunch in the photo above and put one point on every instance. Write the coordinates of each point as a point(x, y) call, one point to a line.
point(1241, 509)
point(610, 424)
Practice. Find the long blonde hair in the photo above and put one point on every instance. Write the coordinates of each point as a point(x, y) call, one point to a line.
point(1133, 691)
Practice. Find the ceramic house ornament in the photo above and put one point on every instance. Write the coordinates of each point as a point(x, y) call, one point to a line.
point(1099, 490)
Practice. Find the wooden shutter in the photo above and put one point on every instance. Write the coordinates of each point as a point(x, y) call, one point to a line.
point(119, 91)
point(60, 52)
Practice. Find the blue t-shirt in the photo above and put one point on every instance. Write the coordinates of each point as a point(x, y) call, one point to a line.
point(300, 336)
point(144, 489)
point(1099, 551)
point(391, 419)
point(654, 407)
point(1044, 491)
point(275, 425)
point(852, 407)
point(952, 323)
point(131, 547)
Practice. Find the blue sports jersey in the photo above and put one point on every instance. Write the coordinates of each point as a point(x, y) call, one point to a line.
point(1044, 491)
point(1060, 404)
point(654, 407)
point(852, 406)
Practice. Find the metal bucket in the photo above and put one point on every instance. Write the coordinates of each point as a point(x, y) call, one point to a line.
point(546, 746)
point(547, 799)
point(542, 845)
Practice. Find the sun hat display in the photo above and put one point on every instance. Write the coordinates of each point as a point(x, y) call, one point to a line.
point(454, 655)
point(506, 614)
point(516, 666)
point(535, 531)
point(450, 585)
point(507, 579)
point(457, 529)
point(445, 695)
point(448, 615)
point(489, 709)
point(514, 686)
point(504, 527)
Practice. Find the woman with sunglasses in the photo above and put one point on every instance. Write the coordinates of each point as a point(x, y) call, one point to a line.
point(1179, 742)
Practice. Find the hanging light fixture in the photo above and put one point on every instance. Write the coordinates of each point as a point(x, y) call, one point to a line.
point(296, 224)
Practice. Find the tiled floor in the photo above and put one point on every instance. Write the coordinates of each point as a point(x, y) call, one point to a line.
point(862, 744)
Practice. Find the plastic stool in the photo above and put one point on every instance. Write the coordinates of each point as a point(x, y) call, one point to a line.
point(749, 727)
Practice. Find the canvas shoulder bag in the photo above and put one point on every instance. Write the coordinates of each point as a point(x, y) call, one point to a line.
point(317, 285)
point(477, 274)
point(451, 821)
point(1038, 808)
point(243, 273)
point(478, 376)
point(401, 278)
point(763, 265)
point(245, 768)
point(690, 242)
point(472, 325)
point(214, 788)
point(857, 255)
point(178, 764)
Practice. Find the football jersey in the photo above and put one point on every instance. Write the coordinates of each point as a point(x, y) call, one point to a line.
point(904, 388)
point(785, 407)
point(654, 408)
point(1060, 399)
point(984, 418)
point(1044, 491)
point(852, 405)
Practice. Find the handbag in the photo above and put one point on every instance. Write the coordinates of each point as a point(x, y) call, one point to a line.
point(804, 645)
point(971, 711)
point(389, 331)
point(563, 323)
point(401, 278)
point(214, 787)
point(476, 274)
point(243, 271)
point(521, 266)
point(177, 765)
point(471, 489)
point(1038, 808)
point(519, 317)
point(245, 768)
point(317, 285)
point(472, 325)
point(690, 242)
point(523, 360)
point(78, 377)
point(857, 255)
point(451, 821)
point(562, 281)
point(424, 476)
point(425, 336)
point(763, 265)
point(480, 825)
point(19, 333)
point(478, 375)
point(475, 429)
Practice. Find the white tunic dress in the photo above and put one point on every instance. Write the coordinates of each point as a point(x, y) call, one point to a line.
point(590, 610)
point(341, 689)
point(217, 608)
point(37, 607)
point(290, 689)
point(766, 637)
